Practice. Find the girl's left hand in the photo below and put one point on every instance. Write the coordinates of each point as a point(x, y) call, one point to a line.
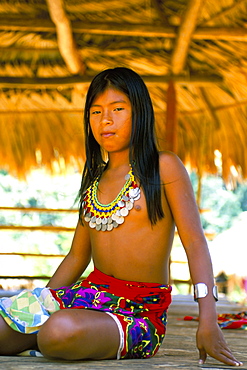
point(210, 341)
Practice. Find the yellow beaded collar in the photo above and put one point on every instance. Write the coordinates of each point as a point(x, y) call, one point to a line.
point(106, 217)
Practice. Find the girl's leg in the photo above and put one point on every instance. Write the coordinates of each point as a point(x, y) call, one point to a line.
point(13, 342)
point(76, 334)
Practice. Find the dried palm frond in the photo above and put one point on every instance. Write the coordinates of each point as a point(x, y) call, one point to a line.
point(42, 124)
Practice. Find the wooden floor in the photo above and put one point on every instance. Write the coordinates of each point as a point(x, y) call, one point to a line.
point(178, 350)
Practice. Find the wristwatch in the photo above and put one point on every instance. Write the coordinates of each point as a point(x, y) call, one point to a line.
point(201, 291)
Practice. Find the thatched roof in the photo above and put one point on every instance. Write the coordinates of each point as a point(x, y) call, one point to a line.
point(49, 51)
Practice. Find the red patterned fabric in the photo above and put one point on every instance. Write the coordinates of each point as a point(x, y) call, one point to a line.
point(140, 308)
point(227, 320)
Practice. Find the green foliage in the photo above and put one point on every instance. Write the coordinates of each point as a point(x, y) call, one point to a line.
point(222, 206)
point(39, 191)
point(241, 193)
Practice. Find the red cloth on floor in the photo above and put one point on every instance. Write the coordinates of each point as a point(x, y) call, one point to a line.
point(227, 320)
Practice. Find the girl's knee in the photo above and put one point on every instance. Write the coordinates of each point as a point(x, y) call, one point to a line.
point(56, 335)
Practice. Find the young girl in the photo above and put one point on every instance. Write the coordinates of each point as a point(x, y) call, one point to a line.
point(131, 198)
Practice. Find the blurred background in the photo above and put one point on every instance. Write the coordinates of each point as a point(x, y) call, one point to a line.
point(192, 56)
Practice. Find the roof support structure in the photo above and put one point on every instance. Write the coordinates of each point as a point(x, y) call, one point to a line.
point(142, 30)
point(178, 61)
point(66, 43)
point(160, 11)
point(54, 82)
point(184, 37)
point(210, 108)
point(224, 12)
point(171, 118)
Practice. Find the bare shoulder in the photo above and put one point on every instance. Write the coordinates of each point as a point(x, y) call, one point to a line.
point(171, 167)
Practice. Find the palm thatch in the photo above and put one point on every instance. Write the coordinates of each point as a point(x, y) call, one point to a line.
point(191, 53)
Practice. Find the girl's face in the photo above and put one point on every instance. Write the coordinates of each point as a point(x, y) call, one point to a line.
point(111, 120)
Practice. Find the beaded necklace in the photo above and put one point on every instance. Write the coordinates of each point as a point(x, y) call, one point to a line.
point(106, 217)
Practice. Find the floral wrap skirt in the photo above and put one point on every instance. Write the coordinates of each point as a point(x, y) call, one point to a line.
point(139, 309)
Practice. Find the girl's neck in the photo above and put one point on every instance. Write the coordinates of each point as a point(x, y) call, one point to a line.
point(117, 162)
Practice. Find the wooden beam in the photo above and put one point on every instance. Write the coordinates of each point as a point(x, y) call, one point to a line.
point(178, 61)
point(210, 108)
point(171, 118)
point(66, 43)
point(221, 33)
point(54, 82)
point(41, 83)
point(39, 210)
point(41, 110)
point(24, 277)
point(158, 110)
point(223, 13)
point(184, 37)
point(142, 30)
point(54, 229)
point(33, 48)
point(161, 13)
point(31, 254)
point(237, 104)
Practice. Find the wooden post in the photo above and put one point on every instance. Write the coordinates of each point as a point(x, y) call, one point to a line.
point(171, 118)
point(66, 43)
point(185, 34)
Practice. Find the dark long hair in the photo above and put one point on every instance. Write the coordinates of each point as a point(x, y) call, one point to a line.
point(143, 151)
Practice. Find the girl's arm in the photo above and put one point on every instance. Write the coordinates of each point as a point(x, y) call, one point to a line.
point(181, 199)
point(76, 260)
